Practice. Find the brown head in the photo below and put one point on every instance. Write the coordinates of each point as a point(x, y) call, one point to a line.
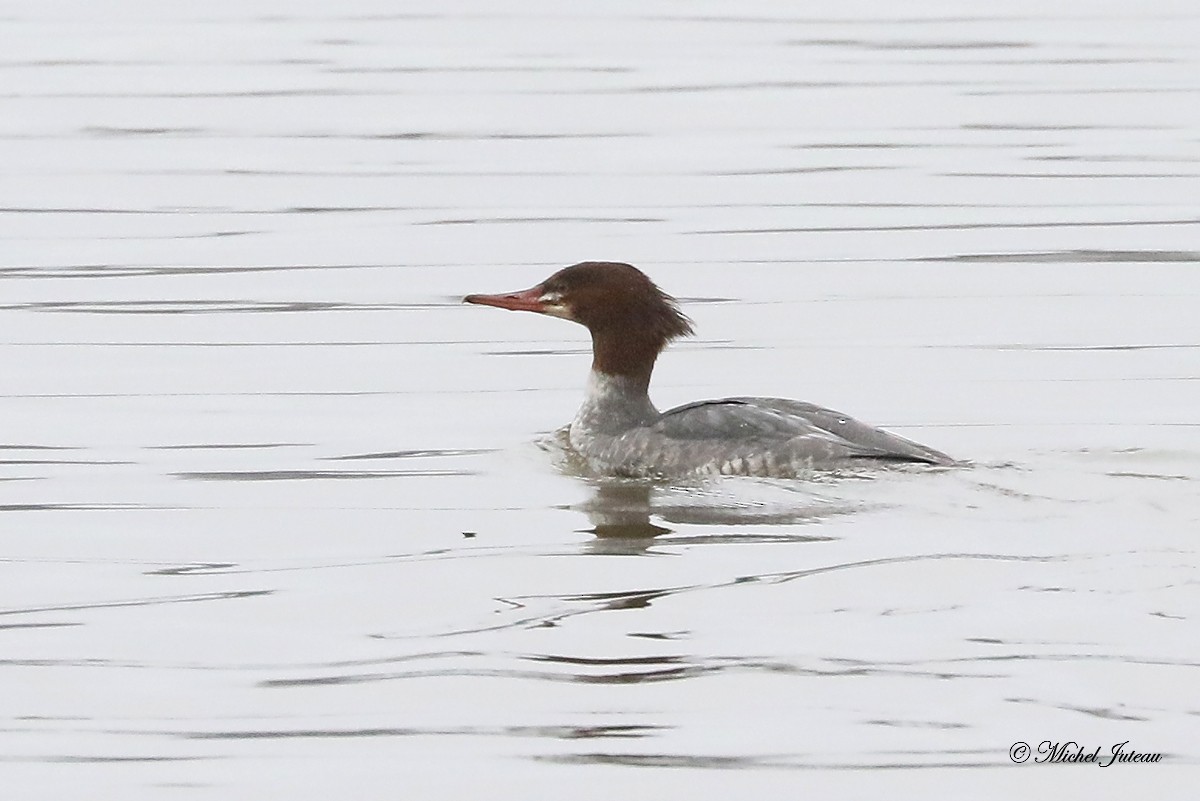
point(630, 318)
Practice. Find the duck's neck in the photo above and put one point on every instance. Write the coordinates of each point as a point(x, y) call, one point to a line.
point(617, 392)
point(628, 353)
point(615, 403)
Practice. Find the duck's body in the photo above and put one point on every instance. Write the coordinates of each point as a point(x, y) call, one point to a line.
point(772, 437)
point(619, 432)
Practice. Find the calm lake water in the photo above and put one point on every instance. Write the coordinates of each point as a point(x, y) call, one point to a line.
point(281, 518)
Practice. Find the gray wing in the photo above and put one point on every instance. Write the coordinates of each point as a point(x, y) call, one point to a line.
point(776, 421)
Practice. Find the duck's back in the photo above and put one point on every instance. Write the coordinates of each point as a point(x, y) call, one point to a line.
point(773, 423)
point(768, 437)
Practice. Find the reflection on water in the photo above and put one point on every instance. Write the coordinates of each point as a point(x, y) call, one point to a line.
point(549, 732)
point(622, 508)
point(311, 475)
point(1078, 256)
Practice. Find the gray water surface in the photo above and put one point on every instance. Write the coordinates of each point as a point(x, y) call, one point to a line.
point(281, 518)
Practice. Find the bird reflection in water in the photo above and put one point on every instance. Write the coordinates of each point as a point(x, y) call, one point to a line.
point(620, 510)
point(623, 514)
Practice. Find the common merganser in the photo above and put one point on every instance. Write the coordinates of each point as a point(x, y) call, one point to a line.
point(618, 432)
